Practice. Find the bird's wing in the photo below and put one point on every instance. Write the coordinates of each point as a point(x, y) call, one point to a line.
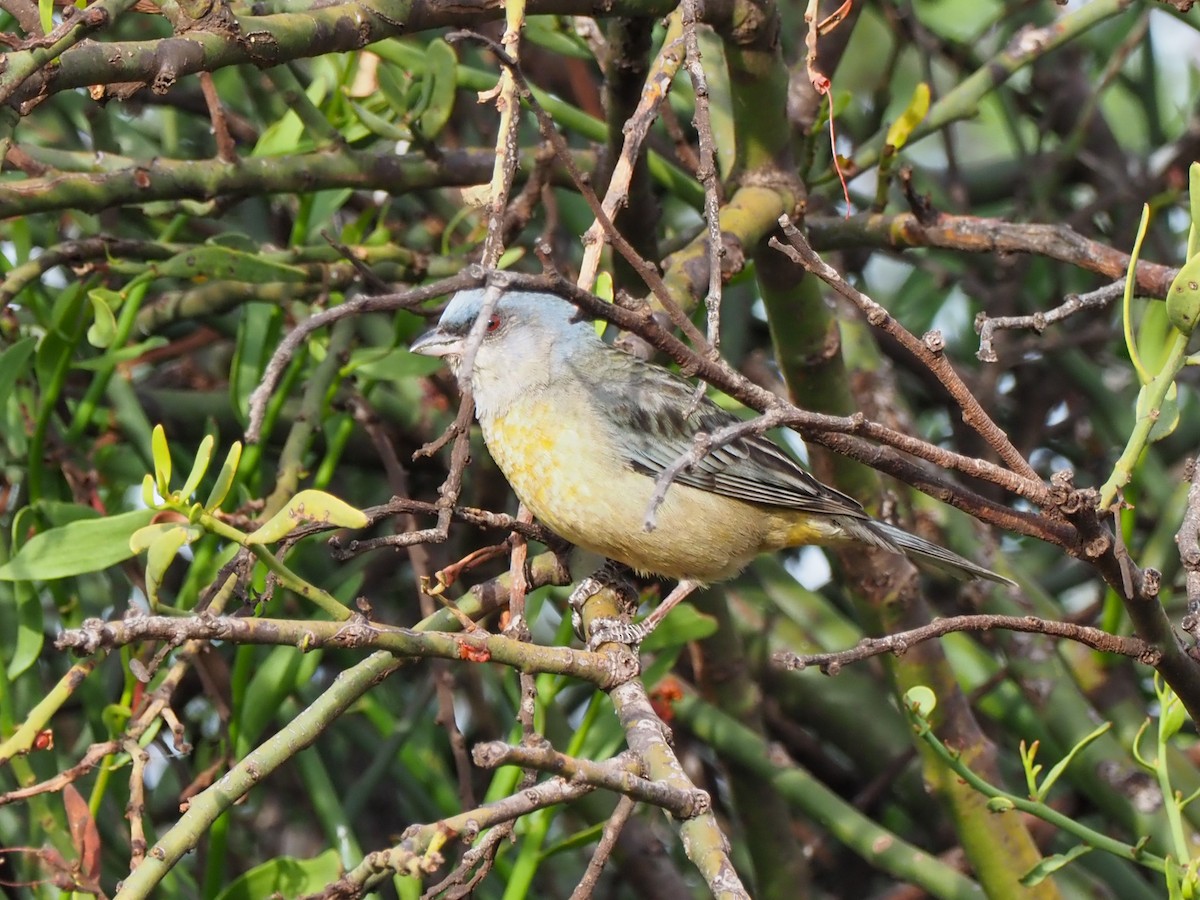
point(650, 408)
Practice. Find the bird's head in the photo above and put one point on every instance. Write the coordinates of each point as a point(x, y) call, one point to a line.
point(526, 336)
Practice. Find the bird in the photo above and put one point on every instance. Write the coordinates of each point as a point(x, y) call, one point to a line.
point(581, 430)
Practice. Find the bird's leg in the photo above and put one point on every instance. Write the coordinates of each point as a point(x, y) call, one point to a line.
point(607, 631)
point(611, 575)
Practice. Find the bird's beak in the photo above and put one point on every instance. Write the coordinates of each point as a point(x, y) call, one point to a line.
point(438, 343)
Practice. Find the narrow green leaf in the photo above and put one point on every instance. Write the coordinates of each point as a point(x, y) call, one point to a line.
point(915, 113)
point(30, 628)
point(90, 545)
point(148, 493)
point(1194, 205)
point(213, 261)
point(308, 506)
point(14, 363)
point(390, 365)
point(285, 877)
point(1183, 296)
point(1061, 766)
point(396, 85)
point(162, 460)
point(380, 126)
point(161, 554)
point(1051, 864)
point(199, 467)
point(442, 64)
point(225, 477)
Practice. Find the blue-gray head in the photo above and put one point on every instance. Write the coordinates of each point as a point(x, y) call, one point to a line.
point(527, 335)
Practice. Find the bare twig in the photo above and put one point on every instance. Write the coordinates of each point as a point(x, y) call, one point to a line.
point(928, 351)
point(703, 444)
point(286, 349)
point(612, 831)
point(614, 774)
point(1187, 539)
point(987, 326)
point(646, 270)
point(898, 644)
point(637, 126)
point(706, 173)
point(354, 634)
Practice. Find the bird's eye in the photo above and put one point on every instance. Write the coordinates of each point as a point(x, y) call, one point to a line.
point(493, 323)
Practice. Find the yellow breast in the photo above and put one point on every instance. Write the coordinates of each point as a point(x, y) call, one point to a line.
point(569, 470)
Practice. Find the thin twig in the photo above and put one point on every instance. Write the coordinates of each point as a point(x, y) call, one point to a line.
point(645, 269)
point(928, 351)
point(608, 841)
point(898, 644)
point(706, 173)
point(703, 444)
point(615, 774)
point(285, 351)
point(636, 128)
point(986, 326)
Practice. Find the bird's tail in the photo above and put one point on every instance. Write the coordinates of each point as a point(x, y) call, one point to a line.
point(925, 554)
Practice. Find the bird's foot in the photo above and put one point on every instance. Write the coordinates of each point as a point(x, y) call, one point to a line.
point(611, 576)
point(611, 630)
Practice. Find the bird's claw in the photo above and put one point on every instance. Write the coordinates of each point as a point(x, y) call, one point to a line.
point(614, 577)
point(615, 631)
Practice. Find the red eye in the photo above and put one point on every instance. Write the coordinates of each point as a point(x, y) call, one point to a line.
point(493, 323)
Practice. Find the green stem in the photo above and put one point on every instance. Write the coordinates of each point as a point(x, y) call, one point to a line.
point(1091, 837)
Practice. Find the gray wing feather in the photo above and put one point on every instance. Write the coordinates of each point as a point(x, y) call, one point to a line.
point(650, 409)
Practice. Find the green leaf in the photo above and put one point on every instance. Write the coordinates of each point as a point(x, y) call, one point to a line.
point(683, 625)
point(90, 545)
point(162, 460)
point(1172, 714)
point(921, 700)
point(308, 506)
point(546, 32)
point(148, 492)
point(380, 126)
point(161, 554)
point(397, 86)
point(915, 113)
point(142, 539)
point(1051, 864)
point(1059, 767)
point(225, 477)
point(213, 261)
point(119, 355)
point(199, 467)
point(14, 363)
point(104, 325)
point(1183, 297)
point(285, 877)
point(442, 66)
point(1168, 412)
point(390, 365)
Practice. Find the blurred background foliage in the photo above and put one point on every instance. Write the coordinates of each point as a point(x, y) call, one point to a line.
point(182, 184)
